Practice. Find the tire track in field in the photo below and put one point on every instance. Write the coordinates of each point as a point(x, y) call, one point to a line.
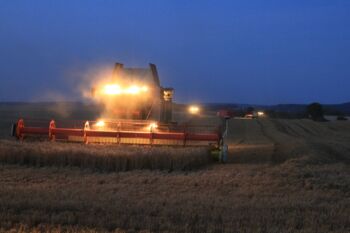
point(247, 142)
point(305, 129)
point(277, 147)
point(330, 152)
point(329, 144)
point(317, 143)
point(288, 143)
point(279, 140)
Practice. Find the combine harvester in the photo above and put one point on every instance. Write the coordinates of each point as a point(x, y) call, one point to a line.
point(138, 111)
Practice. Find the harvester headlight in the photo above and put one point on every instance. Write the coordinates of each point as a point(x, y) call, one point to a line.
point(112, 89)
point(100, 124)
point(115, 89)
point(132, 90)
point(152, 126)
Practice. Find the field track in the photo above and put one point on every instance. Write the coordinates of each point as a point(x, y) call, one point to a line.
point(277, 140)
point(282, 176)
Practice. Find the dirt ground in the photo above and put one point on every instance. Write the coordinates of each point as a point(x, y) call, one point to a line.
point(282, 176)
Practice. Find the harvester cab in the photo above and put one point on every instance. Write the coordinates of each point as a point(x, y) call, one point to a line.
point(135, 94)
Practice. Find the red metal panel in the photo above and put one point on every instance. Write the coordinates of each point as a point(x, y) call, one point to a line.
point(133, 134)
point(98, 133)
point(169, 136)
point(68, 132)
point(122, 134)
point(34, 130)
point(64, 133)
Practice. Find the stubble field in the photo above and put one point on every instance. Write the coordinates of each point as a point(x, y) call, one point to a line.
point(282, 176)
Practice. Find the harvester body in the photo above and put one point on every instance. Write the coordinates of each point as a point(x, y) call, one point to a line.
point(137, 110)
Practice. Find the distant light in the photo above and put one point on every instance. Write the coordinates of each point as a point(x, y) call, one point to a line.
point(194, 109)
point(260, 113)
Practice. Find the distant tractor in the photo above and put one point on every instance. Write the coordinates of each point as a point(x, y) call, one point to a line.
point(251, 113)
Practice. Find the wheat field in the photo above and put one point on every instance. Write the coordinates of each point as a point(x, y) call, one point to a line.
point(282, 176)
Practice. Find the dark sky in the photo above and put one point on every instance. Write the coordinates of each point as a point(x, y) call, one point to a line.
point(257, 51)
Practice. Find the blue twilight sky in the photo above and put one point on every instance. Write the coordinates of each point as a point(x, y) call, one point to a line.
point(256, 51)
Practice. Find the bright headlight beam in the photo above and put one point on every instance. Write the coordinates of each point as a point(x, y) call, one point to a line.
point(115, 89)
point(112, 89)
point(260, 113)
point(152, 126)
point(100, 123)
point(132, 90)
